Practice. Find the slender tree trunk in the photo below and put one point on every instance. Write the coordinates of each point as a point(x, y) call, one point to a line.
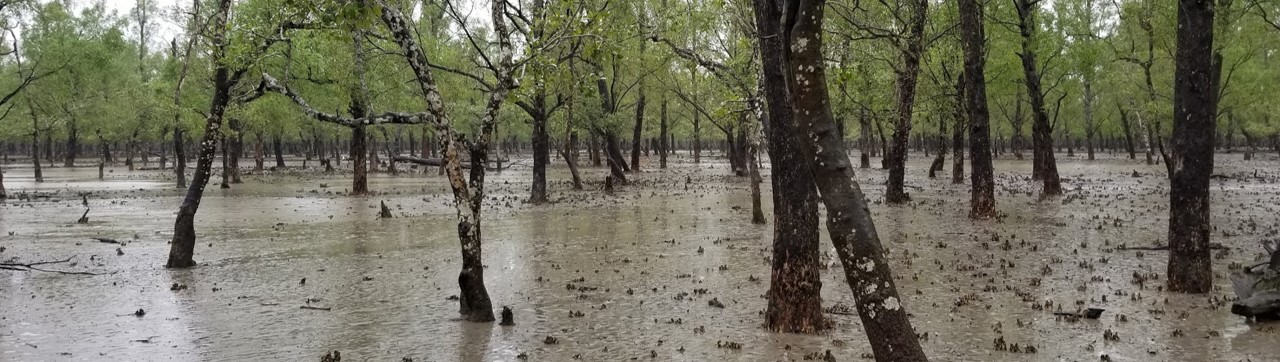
point(73, 144)
point(226, 174)
point(940, 161)
point(958, 132)
point(1191, 163)
point(864, 139)
point(258, 156)
point(983, 200)
point(184, 233)
point(35, 142)
point(617, 166)
point(1128, 132)
point(180, 156)
point(794, 296)
point(897, 156)
point(663, 144)
point(1041, 130)
point(636, 134)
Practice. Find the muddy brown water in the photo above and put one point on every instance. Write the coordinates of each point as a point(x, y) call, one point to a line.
point(388, 282)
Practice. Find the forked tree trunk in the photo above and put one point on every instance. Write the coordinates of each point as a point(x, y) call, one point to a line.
point(982, 204)
point(1191, 163)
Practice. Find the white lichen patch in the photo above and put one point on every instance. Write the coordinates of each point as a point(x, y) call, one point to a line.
point(891, 303)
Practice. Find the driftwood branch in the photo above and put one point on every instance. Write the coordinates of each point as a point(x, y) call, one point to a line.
point(35, 267)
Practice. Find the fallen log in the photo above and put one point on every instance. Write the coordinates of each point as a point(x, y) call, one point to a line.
point(426, 161)
point(1257, 288)
point(1212, 246)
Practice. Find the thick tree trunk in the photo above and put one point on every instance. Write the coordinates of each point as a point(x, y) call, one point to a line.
point(183, 244)
point(277, 146)
point(794, 296)
point(1191, 163)
point(541, 157)
point(359, 149)
point(982, 194)
point(849, 222)
point(1044, 167)
point(636, 134)
point(897, 156)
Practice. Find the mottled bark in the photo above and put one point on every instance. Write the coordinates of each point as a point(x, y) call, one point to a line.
point(794, 296)
point(982, 193)
point(541, 158)
point(182, 247)
point(849, 222)
point(1191, 162)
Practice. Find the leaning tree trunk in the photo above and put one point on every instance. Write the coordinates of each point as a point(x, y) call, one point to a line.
point(1191, 163)
point(794, 296)
point(849, 222)
point(897, 156)
point(982, 193)
point(1044, 167)
point(182, 247)
point(613, 154)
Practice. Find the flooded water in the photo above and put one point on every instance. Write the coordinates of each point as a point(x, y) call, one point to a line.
point(610, 277)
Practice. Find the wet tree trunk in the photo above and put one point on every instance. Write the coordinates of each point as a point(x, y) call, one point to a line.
point(907, 77)
point(1191, 162)
point(593, 148)
point(359, 149)
point(957, 132)
point(940, 161)
point(258, 156)
point(794, 296)
point(226, 169)
point(35, 142)
point(277, 146)
point(73, 144)
point(184, 234)
point(1018, 142)
point(1128, 132)
point(663, 145)
point(180, 156)
point(849, 221)
point(982, 194)
point(864, 139)
point(617, 166)
point(541, 157)
point(237, 150)
point(636, 134)
point(1044, 167)
point(164, 153)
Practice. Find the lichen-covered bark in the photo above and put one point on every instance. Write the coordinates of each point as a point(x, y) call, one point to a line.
point(849, 221)
point(794, 297)
point(1191, 162)
point(982, 203)
point(474, 301)
point(182, 247)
